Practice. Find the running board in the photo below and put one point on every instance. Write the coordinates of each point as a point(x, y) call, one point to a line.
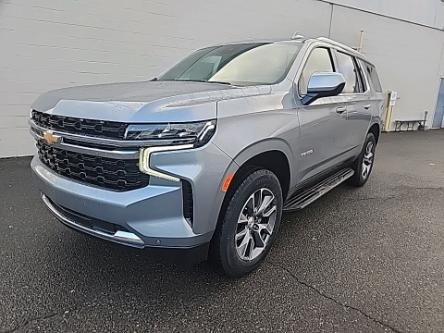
point(302, 200)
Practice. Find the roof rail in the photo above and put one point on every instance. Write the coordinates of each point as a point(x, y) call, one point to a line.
point(297, 35)
point(328, 40)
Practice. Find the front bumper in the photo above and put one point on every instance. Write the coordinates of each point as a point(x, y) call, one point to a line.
point(75, 222)
point(151, 216)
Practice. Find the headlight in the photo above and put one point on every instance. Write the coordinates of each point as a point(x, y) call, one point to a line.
point(196, 133)
point(166, 137)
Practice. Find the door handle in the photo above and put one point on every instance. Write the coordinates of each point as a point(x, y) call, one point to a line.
point(367, 106)
point(341, 109)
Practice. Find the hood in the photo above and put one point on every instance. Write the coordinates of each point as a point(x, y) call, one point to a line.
point(146, 101)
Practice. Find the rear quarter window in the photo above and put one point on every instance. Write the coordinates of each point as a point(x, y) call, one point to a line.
point(373, 76)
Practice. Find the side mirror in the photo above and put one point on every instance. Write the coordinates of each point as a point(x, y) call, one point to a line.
point(323, 84)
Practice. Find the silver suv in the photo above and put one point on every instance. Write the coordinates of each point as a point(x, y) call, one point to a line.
point(213, 150)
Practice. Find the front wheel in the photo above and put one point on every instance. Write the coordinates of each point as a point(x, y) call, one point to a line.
point(363, 165)
point(250, 224)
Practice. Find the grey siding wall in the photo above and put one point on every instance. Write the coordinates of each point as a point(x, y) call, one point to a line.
point(49, 44)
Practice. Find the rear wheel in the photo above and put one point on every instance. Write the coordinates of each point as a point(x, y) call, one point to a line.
point(250, 224)
point(363, 165)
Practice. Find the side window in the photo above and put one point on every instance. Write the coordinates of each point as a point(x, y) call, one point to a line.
point(371, 73)
point(361, 75)
point(319, 60)
point(346, 66)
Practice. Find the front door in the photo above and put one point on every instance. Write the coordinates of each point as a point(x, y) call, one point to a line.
point(323, 135)
point(323, 123)
point(438, 120)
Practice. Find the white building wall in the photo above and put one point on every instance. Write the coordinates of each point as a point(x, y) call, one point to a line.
point(407, 57)
point(426, 12)
point(49, 44)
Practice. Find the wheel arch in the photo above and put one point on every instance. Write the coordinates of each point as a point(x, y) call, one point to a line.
point(272, 154)
point(376, 130)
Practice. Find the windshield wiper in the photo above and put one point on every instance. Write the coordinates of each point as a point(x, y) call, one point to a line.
point(204, 81)
point(221, 82)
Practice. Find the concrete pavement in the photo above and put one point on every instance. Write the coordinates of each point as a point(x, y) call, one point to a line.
point(357, 260)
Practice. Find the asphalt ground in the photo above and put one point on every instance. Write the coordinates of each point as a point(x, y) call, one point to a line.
point(357, 260)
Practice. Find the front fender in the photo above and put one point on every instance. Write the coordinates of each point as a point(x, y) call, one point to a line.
point(266, 145)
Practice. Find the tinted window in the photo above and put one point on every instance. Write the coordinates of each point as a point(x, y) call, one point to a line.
point(319, 60)
point(371, 73)
point(362, 81)
point(240, 64)
point(346, 66)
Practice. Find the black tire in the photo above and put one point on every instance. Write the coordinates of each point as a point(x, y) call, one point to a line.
point(224, 250)
point(361, 175)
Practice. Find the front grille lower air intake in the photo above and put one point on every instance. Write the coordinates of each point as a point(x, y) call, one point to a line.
point(187, 201)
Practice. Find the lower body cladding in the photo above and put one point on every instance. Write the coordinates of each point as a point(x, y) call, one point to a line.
point(151, 216)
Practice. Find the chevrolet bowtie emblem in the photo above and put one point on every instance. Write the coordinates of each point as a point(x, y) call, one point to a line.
point(51, 138)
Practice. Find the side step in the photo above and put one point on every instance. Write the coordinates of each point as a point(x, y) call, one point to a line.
point(302, 200)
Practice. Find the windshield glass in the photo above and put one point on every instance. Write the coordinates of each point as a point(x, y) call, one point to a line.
point(238, 64)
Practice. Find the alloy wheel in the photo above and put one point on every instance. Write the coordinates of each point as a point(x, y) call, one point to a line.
point(367, 161)
point(255, 224)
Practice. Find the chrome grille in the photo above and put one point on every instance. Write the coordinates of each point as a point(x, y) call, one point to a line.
point(91, 127)
point(120, 175)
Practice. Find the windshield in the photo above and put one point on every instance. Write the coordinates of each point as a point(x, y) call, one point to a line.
point(238, 64)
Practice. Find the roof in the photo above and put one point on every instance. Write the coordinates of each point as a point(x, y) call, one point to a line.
point(301, 39)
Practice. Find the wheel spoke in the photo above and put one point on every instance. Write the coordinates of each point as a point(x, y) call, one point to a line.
point(368, 158)
point(249, 205)
point(258, 200)
point(241, 233)
point(243, 246)
point(242, 218)
point(265, 227)
point(270, 211)
point(365, 170)
point(266, 201)
point(257, 238)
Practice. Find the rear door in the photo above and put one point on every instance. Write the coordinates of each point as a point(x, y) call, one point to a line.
point(375, 89)
point(358, 96)
point(323, 123)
